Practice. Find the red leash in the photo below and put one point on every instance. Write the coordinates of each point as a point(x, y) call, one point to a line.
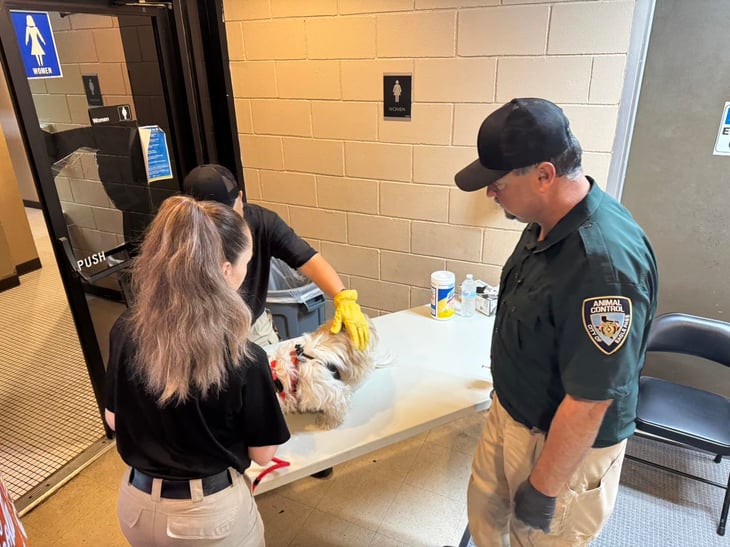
point(278, 464)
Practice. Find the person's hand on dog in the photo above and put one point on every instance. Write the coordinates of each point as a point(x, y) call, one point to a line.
point(533, 507)
point(349, 315)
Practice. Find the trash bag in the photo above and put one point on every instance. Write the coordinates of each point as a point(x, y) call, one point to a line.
point(287, 285)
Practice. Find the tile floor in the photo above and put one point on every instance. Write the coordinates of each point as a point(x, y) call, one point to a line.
point(411, 494)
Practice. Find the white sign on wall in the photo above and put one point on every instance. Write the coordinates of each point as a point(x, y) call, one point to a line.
point(722, 144)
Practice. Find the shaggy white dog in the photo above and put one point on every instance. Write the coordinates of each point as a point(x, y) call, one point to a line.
point(319, 372)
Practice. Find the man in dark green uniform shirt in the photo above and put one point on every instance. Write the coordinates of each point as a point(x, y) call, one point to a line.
point(576, 302)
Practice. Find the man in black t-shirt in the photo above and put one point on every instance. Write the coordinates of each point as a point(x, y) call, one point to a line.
point(272, 237)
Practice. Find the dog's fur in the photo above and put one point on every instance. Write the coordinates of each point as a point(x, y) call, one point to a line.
point(319, 373)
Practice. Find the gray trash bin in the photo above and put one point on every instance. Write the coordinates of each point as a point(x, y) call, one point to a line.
point(296, 304)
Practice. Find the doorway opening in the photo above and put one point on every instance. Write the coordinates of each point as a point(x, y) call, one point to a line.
point(109, 136)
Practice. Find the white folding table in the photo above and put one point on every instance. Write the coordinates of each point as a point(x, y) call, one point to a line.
point(438, 372)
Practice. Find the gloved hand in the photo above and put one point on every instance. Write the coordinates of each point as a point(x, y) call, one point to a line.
point(533, 507)
point(349, 314)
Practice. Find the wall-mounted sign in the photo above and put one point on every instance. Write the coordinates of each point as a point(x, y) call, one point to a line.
point(37, 44)
point(155, 152)
point(722, 143)
point(110, 114)
point(397, 92)
point(92, 89)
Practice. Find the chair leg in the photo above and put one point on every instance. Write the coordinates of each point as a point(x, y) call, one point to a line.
point(725, 507)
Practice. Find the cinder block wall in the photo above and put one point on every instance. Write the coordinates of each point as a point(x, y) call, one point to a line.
point(376, 196)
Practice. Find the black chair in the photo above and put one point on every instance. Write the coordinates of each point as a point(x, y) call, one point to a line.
point(684, 415)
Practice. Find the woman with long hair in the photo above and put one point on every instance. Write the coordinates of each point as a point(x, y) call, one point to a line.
point(191, 400)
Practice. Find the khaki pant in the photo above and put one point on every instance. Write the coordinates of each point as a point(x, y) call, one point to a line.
point(262, 331)
point(226, 518)
point(505, 456)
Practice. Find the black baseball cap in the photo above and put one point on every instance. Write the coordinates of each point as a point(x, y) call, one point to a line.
point(212, 182)
point(521, 133)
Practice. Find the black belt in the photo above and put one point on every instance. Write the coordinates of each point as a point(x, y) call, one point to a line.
point(527, 424)
point(517, 417)
point(179, 489)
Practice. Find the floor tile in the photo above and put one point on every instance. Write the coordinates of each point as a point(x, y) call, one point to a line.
point(442, 470)
point(83, 510)
point(462, 434)
point(283, 518)
point(379, 540)
point(361, 498)
point(325, 530)
point(391, 462)
point(309, 491)
point(418, 517)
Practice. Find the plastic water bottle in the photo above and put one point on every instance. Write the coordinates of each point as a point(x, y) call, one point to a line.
point(468, 296)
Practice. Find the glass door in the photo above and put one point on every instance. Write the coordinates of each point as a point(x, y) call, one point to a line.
point(103, 94)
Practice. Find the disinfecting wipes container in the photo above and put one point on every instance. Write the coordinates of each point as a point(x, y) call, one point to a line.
point(442, 294)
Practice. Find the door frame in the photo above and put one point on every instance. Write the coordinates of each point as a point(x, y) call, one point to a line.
point(190, 32)
point(641, 23)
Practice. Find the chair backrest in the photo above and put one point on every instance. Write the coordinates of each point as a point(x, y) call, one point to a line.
point(691, 335)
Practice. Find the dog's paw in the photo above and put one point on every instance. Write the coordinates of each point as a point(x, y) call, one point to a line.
point(327, 421)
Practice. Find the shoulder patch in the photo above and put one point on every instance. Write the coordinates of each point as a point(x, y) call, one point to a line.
point(607, 320)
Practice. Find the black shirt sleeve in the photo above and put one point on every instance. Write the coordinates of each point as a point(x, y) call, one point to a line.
point(278, 238)
point(272, 237)
point(263, 420)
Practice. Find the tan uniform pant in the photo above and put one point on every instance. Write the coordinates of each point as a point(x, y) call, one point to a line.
point(227, 518)
point(504, 458)
point(262, 330)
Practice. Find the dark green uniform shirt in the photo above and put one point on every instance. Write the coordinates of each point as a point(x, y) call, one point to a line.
point(573, 316)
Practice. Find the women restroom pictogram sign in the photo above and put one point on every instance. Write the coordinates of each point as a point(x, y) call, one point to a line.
point(397, 95)
point(36, 43)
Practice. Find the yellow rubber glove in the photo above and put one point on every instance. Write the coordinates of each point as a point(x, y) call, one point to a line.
point(349, 314)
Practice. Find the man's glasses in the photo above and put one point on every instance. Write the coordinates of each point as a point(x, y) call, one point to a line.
point(497, 185)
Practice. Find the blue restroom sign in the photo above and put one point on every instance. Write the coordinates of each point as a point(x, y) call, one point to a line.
point(37, 44)
point(722, 142)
